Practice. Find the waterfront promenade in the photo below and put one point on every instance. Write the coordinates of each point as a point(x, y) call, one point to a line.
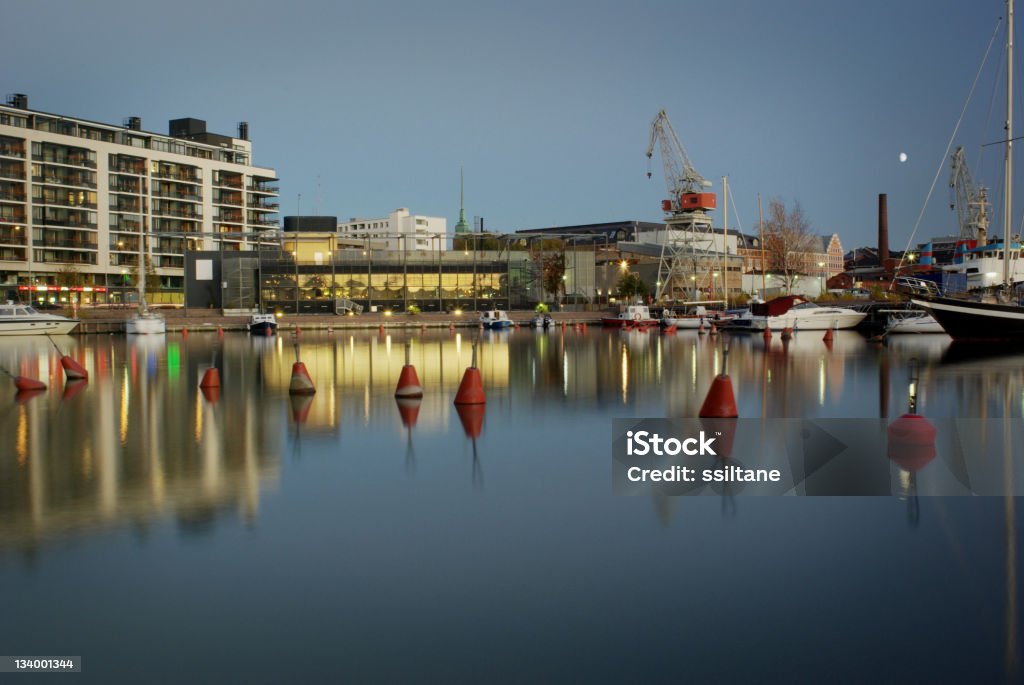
point(196, 320)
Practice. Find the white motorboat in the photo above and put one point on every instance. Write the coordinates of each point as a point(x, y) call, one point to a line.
point(495, 318)
point(793, 311)
point(912, 322)
point(22, 319)
point(631, 315)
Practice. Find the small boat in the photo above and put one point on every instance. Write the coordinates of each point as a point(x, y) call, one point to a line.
point(145, 322)
point(495, 318)
point(912, 321)
point(695, 316)
point(262, 324)
point(23, 319)
point(631, 315)
point(793, 311)
point(542, 321)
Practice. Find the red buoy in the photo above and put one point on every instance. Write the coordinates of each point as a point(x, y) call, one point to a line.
point(380, 329)
point(714, 330)
point(73, 370)
point(220, 331)
point(911, 442)
point(700, 328)
point(669, 330)
point(211, 379)
point(787, 333)
point(720, 402)
point(23, 396)
point(72, 388)
point(409, 383)
point(828, 335)
point(471, 389)
point(26, 384)
point(301, 383)
point(298, 331)
point(211, 394)
point(451, 328)
point(184, 332)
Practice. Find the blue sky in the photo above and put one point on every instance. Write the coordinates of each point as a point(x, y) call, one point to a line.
point(364, 107)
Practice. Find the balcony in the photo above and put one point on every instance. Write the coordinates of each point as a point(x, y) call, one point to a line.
point(64, 257)
point(70, 221)
point(263, 222)
point(264, 206)
point(9, 171)
point(72, 244)
point(65, 180)
point(12, 151)
point(182, 176)
point(229, 218)
point(12, 238)
point(67, 160)
point(11, 195)
point(186, 212)
point(182, 195)
point(127, 188)
point(137, 170)
point(260, 188)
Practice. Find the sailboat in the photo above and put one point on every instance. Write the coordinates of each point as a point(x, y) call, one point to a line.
point(144, 322)
point(997, 317)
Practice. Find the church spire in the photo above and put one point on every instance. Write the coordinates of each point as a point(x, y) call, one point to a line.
point(461, 226)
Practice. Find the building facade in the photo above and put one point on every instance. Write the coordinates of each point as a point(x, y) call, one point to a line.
point(399, 231)
point(81, 200)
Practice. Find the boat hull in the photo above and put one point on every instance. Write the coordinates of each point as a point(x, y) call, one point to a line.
point(976, 321)
point(38, 327)
point(916, 324)
point(263, 328)
point(497, 325)
point(817, 322)
point(145, 325)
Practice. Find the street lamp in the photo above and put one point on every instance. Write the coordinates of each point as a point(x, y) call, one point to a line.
point(821, 275)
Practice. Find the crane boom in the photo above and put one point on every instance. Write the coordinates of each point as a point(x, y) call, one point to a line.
point(682, 181)
point(970, 200)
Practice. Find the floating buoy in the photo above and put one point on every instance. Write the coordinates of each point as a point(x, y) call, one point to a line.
point(408, 381)
point(220, 331)
point(787, 333)
point(700, 328)
point(330, 329)
point(73, 370)
point(471, 389)
point(184, 332)
point(516, 325)
point(911, 442)
point(563, 325)
point(720, 402)
point(211, 379)
point(714, 330)
point(480, 326)
point(828, 335)
point(767, 334)
point(301, 383)
point(669, 330)
point(210, 394)
point(380, 329)
point(584, 326)
point(298, 331)
point(423, 328)
point(24, 384)
point(451, 328)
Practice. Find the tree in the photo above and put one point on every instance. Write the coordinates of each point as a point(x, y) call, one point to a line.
point(787, 241)
point(69, 275)
point(630, 285)
point(152, 278)
point(552, 276)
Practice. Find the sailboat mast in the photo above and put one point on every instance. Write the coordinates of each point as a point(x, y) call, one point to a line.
point(1007, 191)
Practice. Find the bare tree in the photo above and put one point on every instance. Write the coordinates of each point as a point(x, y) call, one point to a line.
point(788, 241)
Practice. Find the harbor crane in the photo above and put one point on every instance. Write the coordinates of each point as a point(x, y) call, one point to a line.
point(689, 243)
point(969, 200)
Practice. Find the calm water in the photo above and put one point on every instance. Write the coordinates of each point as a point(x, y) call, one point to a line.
point(165, 537)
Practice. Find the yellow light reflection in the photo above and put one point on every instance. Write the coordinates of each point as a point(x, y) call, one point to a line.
point(199, 418)
point(821, 382)
point(21, 442)
point(125, 397)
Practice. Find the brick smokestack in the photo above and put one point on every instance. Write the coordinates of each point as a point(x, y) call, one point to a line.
point(883, 231)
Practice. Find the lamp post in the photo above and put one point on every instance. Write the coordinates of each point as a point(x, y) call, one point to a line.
point(821, 275)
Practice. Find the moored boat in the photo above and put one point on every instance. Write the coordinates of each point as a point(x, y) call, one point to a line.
point(793, 311)
point(145, 322)
point(495, 318)
point(912, 321)
point(262, 324)
point(696, 315)
point(543, 321)
point(22, 319)
point(631, 315)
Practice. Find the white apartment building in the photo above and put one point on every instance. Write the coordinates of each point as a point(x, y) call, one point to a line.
point(79, 196)
point(399, 231)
